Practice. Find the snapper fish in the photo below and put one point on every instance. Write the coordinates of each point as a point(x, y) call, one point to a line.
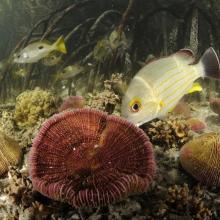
point(159, 86)
point(39, 50)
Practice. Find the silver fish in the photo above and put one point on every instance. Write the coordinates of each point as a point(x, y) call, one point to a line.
point(38, 50)
point(158, 86)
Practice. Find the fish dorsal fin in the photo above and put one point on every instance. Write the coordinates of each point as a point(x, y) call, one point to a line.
point(186, 55)
point(195, 88)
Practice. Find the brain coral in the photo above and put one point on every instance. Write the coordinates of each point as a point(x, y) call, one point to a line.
point(89, 159)
point(33, 105)
point(10, 153)
point(201, 158)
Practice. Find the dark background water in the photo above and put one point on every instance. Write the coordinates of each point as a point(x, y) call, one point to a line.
point(157, 27)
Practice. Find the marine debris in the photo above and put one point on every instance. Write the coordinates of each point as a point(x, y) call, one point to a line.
point(200, 158)
point(10, 153)
point(110, 160)
point(32, 105)
point(170, 133)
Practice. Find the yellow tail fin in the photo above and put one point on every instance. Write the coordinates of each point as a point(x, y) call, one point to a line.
point(196, 88)
point(60, 45)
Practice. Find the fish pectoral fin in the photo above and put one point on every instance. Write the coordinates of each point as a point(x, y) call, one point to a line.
point(60, 45)
point(186, 55)
point(195, 88)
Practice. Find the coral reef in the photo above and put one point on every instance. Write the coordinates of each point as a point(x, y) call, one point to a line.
point(72, 102)
point(17, 198)
point(33, 105)
point(173, 132)
point(109, 99)
point(10, 153)
point(111, 159)
point(23, 135)
point(200, 157)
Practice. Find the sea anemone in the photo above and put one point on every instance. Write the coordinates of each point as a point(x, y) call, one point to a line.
point(72, 102)
point(201, 158)
point(89, 159)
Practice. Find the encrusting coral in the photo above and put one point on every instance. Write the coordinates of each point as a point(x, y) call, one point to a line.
point(32, 105)
point(10, 153)
point(200, 157)
point(173, 132)
point(89, 159)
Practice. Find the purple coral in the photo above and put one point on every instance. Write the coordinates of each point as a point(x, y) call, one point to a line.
point(88, 158)
point(72, 102)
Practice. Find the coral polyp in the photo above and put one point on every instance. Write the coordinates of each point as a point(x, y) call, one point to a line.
point(89, 159)
point(201, 158)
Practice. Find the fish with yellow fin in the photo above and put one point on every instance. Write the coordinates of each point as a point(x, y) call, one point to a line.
point(39, 50)
point(158, 87)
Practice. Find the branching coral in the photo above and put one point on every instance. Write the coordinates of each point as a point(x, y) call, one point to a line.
point(183, 199)
point(173, 132)
point(33, 105)
point(17, 199)
point(200, 157)
point(107, 100)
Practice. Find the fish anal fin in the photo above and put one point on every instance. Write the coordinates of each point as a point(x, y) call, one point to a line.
point(186, 54)
point(195, 88)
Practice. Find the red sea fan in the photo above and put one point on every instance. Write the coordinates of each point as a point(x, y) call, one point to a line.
point(72, 102)
point(89, 159)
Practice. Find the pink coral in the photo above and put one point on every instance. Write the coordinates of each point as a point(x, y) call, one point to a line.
point(88, 158)
point(72, 102)
point(196, 124)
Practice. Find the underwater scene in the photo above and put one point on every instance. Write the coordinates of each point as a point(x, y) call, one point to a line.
point(109, 110)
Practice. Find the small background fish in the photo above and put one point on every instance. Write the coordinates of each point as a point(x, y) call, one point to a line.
point(38, 50)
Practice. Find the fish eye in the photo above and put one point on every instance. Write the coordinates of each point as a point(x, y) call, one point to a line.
point(18, 56)
point(40, 47)
point(135, 106)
